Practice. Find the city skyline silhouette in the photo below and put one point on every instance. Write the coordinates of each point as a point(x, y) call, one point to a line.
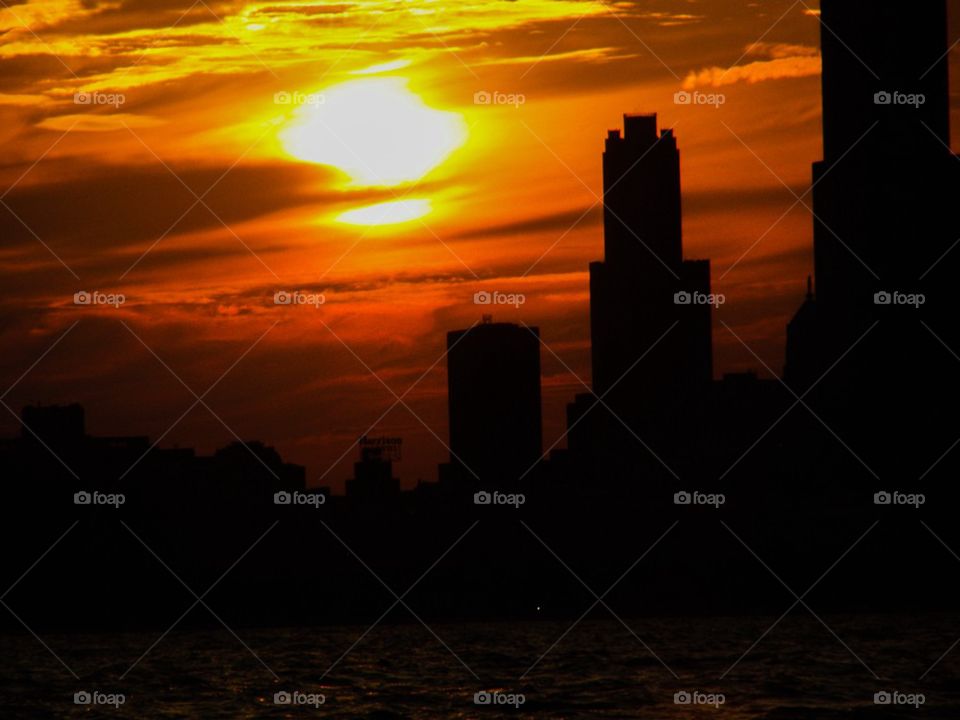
point(657, 533)
point(655, 405)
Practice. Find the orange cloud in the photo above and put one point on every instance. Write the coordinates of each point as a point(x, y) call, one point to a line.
point(781, 60)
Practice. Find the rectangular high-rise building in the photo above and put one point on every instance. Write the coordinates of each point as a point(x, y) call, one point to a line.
point(876, 55)
point(885, 193)
point(641, 198)
point(876, 336)
point(493, 386)
point(882, 193)
point(649, 312)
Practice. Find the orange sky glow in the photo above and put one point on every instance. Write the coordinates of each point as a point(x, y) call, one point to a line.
point(385, 161)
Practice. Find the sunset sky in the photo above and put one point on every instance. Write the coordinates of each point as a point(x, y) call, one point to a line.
point(199, 158)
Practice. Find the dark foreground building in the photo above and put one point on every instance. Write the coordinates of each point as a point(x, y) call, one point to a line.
point(650, 320)
point(646, 301)
point(493, 385)
point(876, 336)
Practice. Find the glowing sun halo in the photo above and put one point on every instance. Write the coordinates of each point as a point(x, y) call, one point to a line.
point(376, 130)
point(386, 213)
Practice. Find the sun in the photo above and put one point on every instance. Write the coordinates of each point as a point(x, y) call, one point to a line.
point(375, 130)
point(386, 213)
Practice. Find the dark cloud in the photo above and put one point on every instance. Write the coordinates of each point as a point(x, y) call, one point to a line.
point(112, 18)
point(724, 200)
point(28, 74)
point(306, 10)
point(107, 208)
point(652, 41)
point(562, 221)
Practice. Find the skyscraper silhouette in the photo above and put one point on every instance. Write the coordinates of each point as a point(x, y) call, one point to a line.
point(493, 384)
point(650, 317)
point(885, 220)
point(645, 299)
